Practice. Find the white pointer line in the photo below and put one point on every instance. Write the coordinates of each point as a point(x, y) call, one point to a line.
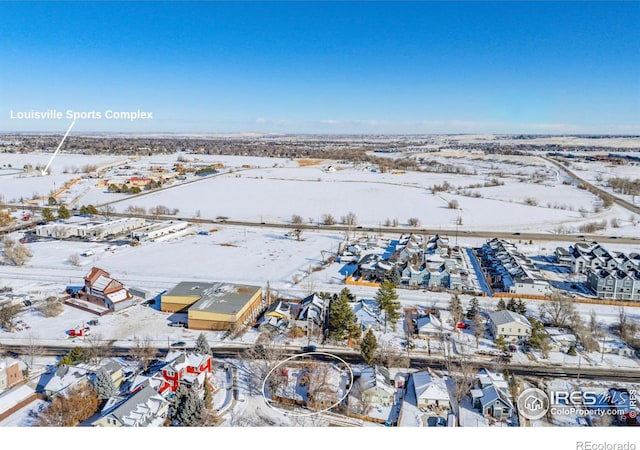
point(44, 172)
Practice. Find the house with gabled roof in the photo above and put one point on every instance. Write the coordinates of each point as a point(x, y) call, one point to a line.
point(103, 290)
point(144, 408)
point(367, 314)
point(431, 391)
point(375, 387)
point(65, 378)
point(184, 368)
point(513, 327)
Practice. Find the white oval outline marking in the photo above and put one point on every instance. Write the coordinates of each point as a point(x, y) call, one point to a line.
point(282, 411)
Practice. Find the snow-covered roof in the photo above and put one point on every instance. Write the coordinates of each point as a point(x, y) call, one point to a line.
point(430, 387)
point(101, 283)
point(429, 323)
point(65, 377)
point(372, 378)
point(505, 316)
point(140, 409)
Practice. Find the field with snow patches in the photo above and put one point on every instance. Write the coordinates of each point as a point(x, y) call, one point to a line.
point(17, 186)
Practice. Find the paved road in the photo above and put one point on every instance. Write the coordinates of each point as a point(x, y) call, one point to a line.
point(526, 236)
point(592, 188)
point(418, 361)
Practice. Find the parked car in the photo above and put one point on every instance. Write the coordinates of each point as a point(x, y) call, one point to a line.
point(179, 344)
point(176, 324)
point(309, 348)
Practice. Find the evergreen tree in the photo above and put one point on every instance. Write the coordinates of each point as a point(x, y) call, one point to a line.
point(395, 276)
point(512, 305)
point(208, 394)
point(63, 212)
point(92, 210)
point(47, 215)
point(368, 347)
point(539, 338)
point(521, 308)
point(83, 210)
point(501, 343)
point(345, 292)
point(187, 407)
point(456, 309)
point(202, 346)
point(342, 320)
point(388, 303)
point(474, 308)
point(103, 385)
point(501, 306)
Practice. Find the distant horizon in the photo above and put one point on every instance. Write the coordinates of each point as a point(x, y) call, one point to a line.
point(258, 133)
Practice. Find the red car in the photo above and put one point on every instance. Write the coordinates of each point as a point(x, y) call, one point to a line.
point(462, 325)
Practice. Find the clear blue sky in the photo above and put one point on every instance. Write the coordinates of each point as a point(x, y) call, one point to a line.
point(330, 67)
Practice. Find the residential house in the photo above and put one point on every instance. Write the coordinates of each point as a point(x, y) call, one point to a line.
point(99, 288)
point(144, 408)
point(65, 378)
point(561, 340)
point(494, 402)
point(314, 308)
point(414, 275)
point(375, 387)
point(617, 284)
point(491, 395)
point(513, 327)
point(276, 318)
point(431, 392)
point(184, 368)
point(367, 314)
point(10, 373)
point(430, 326)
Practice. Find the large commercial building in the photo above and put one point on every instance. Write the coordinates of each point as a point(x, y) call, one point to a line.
point(96, 230)
point(213, 306)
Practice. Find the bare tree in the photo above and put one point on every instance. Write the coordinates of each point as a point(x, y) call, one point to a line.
point(328, 219)
point(478, 327)
point(8, 313)
point(557, 311)
point(143, 351)
point(414, 222)
point(349, 219)
point(15, 253)
point(50, 307)
point(99, 347)
point(453, 204)
point(297, 219)
point(33, 349)
point(107, 210)
point(74, 259)
point(388, 356)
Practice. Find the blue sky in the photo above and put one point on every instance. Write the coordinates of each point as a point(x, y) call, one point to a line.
point(326, 67)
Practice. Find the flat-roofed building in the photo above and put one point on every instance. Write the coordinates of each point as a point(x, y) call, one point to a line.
point(213, 306)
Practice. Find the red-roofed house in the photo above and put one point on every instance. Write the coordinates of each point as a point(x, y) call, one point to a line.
point(101, 289)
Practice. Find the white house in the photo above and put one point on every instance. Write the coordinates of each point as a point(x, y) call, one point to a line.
point(431, 391)
point(513, 327)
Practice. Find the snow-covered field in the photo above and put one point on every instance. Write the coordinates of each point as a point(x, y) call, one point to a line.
point(20, 185)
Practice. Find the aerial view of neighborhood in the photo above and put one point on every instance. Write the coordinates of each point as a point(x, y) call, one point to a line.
point(309, 273)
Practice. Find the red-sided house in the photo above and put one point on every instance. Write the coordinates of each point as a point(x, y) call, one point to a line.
point(184, 368)
point(101, 289)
